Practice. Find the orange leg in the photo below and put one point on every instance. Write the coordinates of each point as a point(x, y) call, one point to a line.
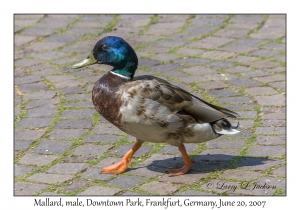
point(187, 160)
point(121, 166)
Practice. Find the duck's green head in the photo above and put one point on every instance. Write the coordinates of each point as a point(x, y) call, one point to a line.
point(113, 51)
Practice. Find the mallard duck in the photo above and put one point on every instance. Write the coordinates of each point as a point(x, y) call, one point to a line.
point(150, 108)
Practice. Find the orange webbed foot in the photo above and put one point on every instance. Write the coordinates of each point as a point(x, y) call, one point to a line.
point(121, 166)
point(187, 160)
point(117, 168)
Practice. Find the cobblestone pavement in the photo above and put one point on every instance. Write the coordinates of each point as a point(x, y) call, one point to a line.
point(237, 61)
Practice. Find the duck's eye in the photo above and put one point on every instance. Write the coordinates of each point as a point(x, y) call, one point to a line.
point(105, 47)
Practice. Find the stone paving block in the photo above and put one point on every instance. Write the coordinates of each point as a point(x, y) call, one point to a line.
point(193, 61)
point(75, 185)
point(247, 114)
point(165, 57)
point(260, 91)
point(128, 193)
point(240, 99)
point(20, 170)
point(41, 46)
point(69, 84)
point(247, 19)
point(174, 150)
point(208, 166)
point(237, 49)
point(217, 55)
point(22, 144)
point(270, 130)
point(47, 110)
point(70, 90)
point(36, 103)
point(95, 173)
point(253, 74)
point(26, 188)
point(54, 23)
point(79, 97)
point(220, 64)
point(39, 95)
point(189, 51)
point(264, 53)
point(122, 150)
point(159, 188)
point(243, 83)
point(266, 150)
point(275, 46)
point(127, 181)
point(168, 43)
point(35, 122)
point(148, 171)
point(257, 164)
point(84, 104)
point(97, 190)
point(36, 159)
point(50, 55)
point(38, 31)
point(240, 175)
point(211, 42)
point(263, 64)
point(27, 80)
point(21, 39)
point(188, 178)
point(241, 58)
point(66, 124)
point(106, 128)
point(67, 168)
point(50, 178)
point(101, 138)
point(161, 160)
point(20, 73)
point(67, 133)
point(275, 123)
point(108, 161)
point(275, 100)
point(165, 68)
point(217, 144)
point(213, 85)
point(28, 134)
point(273, 78)
point(50, 147)
point(50, 194)
point(279, 183)
point(85, 113)
point(218, 154)
point(274, 116)
point(90, 150)
point(232, 33)
point(175, 74)
point(32, 87)
point(281, 171)
point(62, 38)
point(199, 70)
point(224, 93)
point(194, 193)
point(270, 140)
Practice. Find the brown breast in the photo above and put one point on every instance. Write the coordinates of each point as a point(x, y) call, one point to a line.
point(105, 99)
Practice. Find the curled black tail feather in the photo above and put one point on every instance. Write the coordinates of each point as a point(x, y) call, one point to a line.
point(223, 126)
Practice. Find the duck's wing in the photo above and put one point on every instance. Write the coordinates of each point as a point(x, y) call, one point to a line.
point(175, 99)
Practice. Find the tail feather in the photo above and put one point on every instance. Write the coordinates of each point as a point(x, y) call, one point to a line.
point(224, 127)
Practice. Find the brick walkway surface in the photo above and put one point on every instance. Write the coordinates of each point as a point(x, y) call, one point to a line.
point(60, 142)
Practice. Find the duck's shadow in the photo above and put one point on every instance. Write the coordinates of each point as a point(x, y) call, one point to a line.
point(209, 163)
